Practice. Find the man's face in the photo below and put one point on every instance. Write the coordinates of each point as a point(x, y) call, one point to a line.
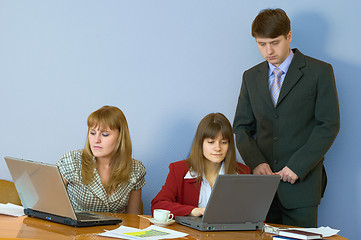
point(275, 50)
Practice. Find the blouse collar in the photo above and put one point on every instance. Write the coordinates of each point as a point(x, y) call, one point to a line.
point(192, 175)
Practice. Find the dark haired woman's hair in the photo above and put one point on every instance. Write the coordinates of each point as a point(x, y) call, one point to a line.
point(209, 127)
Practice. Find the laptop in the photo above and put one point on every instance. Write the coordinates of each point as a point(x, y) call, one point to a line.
point(237, 202)
point(43, 194)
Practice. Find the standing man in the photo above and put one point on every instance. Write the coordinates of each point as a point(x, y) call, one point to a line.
point(286, 119)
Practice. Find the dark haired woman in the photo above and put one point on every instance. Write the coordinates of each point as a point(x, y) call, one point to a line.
point(190, 182)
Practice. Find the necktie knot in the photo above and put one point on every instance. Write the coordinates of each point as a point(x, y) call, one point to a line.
point(275, 87)
point(277, 72)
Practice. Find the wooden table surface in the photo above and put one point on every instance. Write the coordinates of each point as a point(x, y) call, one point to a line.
point(32, 228)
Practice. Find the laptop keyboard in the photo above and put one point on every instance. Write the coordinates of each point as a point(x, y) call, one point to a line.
point(85, 216)
point(195, 219)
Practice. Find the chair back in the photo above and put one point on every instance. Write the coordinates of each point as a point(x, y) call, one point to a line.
point(8, 193)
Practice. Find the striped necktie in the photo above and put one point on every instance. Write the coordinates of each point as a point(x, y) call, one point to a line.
point(275, 86)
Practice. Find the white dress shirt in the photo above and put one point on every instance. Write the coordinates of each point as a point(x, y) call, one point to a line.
point(206, 189)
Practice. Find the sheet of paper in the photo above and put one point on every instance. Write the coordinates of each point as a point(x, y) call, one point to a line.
point(150, 233)
point(325, 231)
point(11, 209)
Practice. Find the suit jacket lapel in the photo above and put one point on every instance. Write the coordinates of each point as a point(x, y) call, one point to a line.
point(293, 75)
point(262, 83)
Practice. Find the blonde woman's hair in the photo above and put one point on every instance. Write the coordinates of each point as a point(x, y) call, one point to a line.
point(209, 127)
point(122, 162)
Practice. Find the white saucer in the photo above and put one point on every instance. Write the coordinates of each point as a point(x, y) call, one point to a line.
point(158, 223)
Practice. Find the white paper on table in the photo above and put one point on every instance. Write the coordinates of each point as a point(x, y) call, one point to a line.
point(325, 231)
point(11, 209)
point(150, 233)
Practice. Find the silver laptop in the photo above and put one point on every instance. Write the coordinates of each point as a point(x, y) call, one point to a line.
point(237, 202)
point(43, 194)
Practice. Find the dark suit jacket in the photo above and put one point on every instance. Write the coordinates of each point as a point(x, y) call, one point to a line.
point(297, 132)
point(179, 195)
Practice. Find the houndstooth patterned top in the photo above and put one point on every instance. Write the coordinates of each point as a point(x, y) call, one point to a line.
point(93, 197)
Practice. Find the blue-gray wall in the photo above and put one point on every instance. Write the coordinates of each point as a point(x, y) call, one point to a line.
point(166, 64)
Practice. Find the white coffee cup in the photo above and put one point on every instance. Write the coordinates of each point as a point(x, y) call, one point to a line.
point(162, 215)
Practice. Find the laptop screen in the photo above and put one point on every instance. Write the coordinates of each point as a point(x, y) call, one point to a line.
point(40, 187)
point(241, 198)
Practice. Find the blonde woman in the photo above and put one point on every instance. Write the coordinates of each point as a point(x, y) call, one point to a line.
point(103, 177)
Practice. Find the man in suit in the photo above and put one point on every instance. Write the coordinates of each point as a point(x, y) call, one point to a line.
point(286, 120)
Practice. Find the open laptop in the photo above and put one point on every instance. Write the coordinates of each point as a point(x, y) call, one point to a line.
point(43, 194)
point(237, 202)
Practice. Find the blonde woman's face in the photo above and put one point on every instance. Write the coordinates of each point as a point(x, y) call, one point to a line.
point(215, 150)
point(102, 142)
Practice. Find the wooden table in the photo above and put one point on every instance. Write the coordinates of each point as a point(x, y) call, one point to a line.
point(33, 228)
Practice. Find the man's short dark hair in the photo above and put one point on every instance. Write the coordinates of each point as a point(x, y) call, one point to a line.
point(271, 23)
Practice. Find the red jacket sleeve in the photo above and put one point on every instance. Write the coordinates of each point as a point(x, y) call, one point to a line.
point(243, 169)
point(178, 195)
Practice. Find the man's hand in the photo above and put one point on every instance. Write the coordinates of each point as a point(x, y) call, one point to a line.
point(287, 175)
point(197, 212)
point(263, 169)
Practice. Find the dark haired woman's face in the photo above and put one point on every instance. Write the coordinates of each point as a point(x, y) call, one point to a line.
point(215, 149)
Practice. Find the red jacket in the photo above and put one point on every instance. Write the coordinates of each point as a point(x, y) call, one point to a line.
point(179, 195)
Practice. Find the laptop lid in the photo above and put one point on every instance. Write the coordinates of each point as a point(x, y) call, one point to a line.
point(43, 194)
point(237, 202)
point(241, 198)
